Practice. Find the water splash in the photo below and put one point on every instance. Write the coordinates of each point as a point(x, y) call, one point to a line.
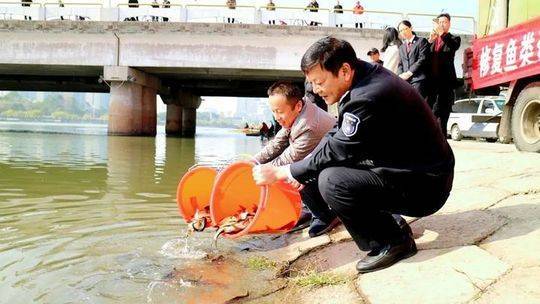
point(181, 248)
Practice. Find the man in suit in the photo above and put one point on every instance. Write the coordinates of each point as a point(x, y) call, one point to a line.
point(362, 170)
point(303, 126)
point(414, 58)
point(443, 47)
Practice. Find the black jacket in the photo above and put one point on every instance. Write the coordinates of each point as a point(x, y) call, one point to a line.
point(378, 105)
point(442, 62)
point(416, 60)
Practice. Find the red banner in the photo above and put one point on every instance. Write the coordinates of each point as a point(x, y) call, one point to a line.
point(507, 55)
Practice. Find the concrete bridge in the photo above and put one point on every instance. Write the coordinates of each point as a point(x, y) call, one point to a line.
point(135, 61)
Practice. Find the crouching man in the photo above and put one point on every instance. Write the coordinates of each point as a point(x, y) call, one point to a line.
point(364, 169)
point(303, 126)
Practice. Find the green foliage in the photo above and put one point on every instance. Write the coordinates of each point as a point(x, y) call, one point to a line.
point(54, 106)
point(260, 263)
point(318, 279)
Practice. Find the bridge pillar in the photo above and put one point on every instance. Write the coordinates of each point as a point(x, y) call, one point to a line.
point(181, 113)
point(132, 109)
point(189, 122)
point(190, 103)
point(173, 124)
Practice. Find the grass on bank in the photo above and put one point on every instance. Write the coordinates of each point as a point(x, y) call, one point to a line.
point(260, 263)
point(316, 279)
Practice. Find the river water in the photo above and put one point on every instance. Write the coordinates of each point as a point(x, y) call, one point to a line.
point(87, 218)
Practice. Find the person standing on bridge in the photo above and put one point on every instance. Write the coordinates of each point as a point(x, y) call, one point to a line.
point(26, 3)
point(338, 9)
point(443, 47)
point(231, 4)
point(313, 7)
point(358, 11)
point(271, 8)
point(303, 126)
point(362, 170)
point(155, 4)
point(166, 4)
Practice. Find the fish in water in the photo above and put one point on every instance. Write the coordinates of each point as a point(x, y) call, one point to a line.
point(233, 224)
point(200, 220)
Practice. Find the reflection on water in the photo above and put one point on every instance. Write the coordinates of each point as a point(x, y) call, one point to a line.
point(83, 218)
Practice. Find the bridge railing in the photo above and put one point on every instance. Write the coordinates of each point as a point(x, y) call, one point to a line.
point(221, 13)
point(146, 12)
point(369, 19)
point(285, 15)
point(16, 11)
point(72, 11)
point(291, 15)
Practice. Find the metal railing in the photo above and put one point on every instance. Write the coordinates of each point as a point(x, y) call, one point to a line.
point(147, 12)
point(214, 13)
point(72, 11)
point(16, 11)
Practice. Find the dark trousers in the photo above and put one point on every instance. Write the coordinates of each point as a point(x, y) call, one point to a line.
point(312, 199)
point(365, 200)
point(421, 87)
point(441, 100)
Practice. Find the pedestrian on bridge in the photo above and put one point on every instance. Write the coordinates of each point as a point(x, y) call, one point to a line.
point(313, 7)
point(271, 8)
point(231, 4)
point(26, 3)
point(166, 4)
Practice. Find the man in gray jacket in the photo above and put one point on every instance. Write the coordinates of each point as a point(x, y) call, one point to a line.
point(304, 125)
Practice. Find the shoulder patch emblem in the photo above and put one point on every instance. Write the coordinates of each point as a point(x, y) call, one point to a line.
point(350, 124)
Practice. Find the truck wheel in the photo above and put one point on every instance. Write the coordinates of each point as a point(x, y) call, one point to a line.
point(526, 119)
point(455, 133)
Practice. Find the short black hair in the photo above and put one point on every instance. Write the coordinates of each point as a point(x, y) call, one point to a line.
point(292, 92)
point(330, 53)
point(407, 23)
point(444, 15)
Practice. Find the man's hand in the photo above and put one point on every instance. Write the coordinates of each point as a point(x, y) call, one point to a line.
point(267, 174)
point(405, 75)
point(295, 184)
point(433, 36)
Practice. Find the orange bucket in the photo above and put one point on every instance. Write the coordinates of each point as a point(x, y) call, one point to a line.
point(277, 207)
point(194, 190)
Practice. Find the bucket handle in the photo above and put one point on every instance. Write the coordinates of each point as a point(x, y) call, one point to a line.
point(265, 188)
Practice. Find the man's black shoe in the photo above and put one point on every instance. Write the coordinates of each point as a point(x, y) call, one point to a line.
point(403, 224)
point(318, 227)
point(303, 221)
point(387, 256)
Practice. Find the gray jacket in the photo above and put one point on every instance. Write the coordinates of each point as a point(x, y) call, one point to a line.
point(292, 145)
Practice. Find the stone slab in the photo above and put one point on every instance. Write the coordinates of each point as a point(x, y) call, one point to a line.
point(455, 229)
point(474, 198)
point(518, 286)
point(518, 243)
point(527, 182)
point(454, 275)
point(519, 207)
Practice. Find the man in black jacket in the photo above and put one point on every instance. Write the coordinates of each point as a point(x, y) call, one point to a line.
point(443, 46)
point(363, 170)
point(413, 58)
